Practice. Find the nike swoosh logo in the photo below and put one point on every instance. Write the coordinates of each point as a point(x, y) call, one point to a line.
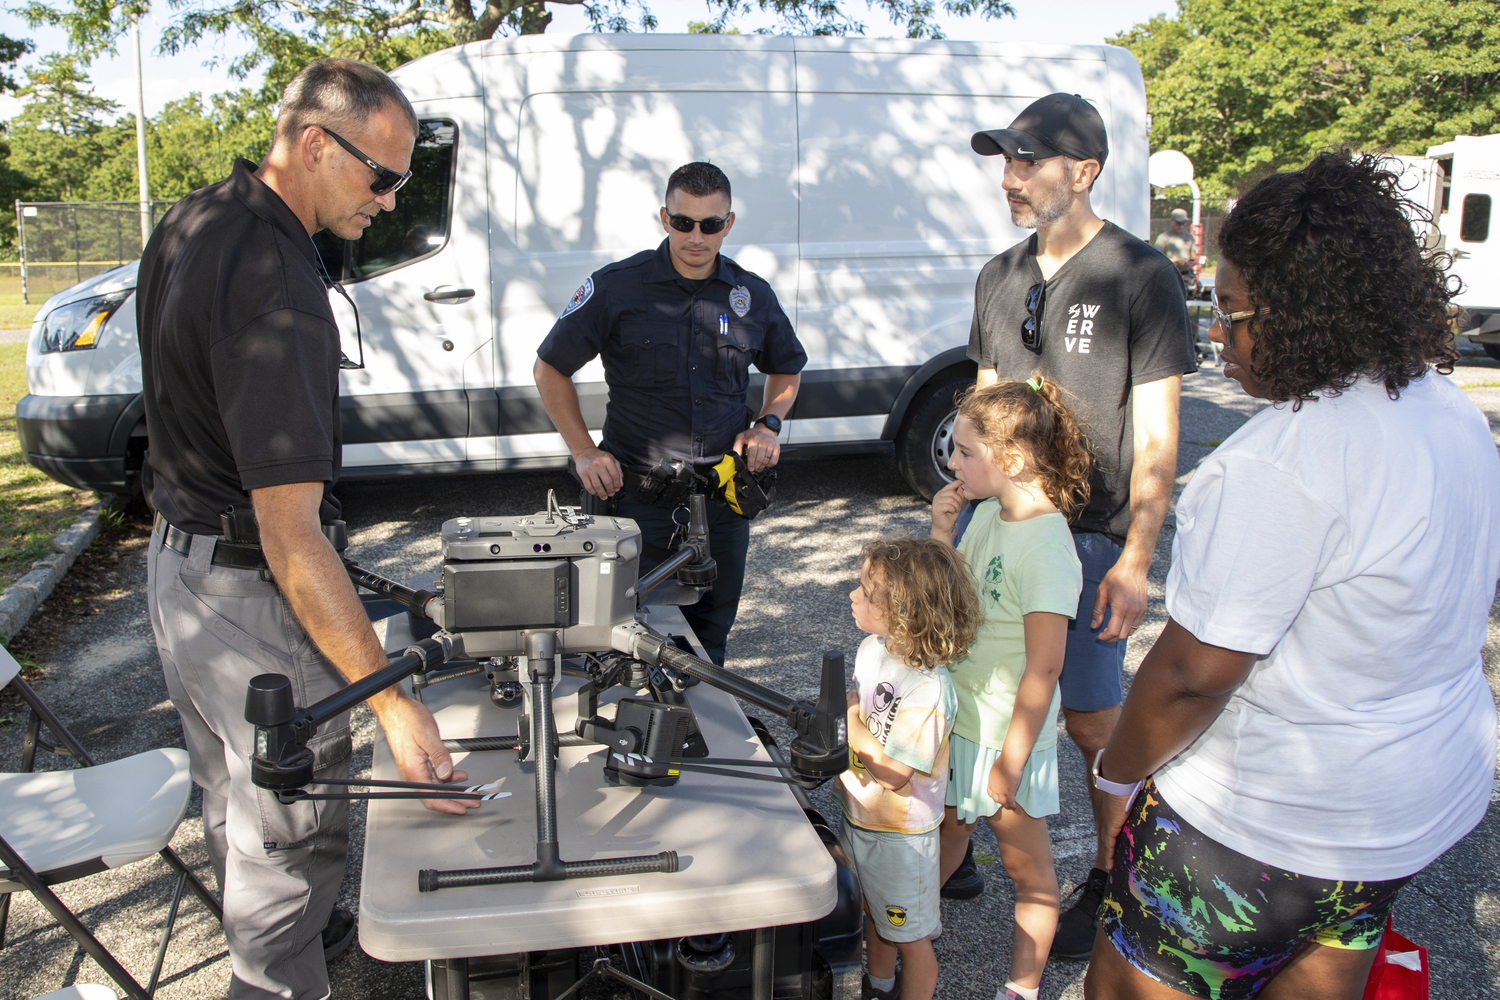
point(1024, 152)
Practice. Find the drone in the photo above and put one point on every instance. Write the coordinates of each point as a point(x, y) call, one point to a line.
point(527, 599)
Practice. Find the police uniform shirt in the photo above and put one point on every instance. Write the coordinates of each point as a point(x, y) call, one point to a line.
point(1113, 317)
point(676, 353)
point(239, 354)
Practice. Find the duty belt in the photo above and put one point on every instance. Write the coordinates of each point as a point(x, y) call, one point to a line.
point(235, 555)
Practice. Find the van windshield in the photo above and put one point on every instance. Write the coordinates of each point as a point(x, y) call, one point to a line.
point(417, 228)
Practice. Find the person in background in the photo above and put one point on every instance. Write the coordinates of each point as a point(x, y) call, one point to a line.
point(915, 599)
point(1018, 451)
point(1176, 241)
point(1313, 727)
point(1100, 313)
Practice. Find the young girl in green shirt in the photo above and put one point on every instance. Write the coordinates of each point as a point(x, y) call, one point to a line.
point(1018, 449)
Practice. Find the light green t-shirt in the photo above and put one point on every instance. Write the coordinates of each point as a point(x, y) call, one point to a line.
point(1020, 567)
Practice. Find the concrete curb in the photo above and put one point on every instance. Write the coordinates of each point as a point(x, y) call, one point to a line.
point(21, 598)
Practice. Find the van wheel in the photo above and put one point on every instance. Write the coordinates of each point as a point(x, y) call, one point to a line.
point(926, 438)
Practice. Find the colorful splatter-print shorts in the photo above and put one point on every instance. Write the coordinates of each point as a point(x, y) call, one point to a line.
point(1208, 921)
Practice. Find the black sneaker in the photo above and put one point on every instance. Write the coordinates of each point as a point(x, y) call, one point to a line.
point(966, 882)
point(867, 991)
point(1075, 929)
point(338, 933)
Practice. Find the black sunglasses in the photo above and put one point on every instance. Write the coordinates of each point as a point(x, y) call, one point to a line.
point(385, 180)
point(1031, 327)
point(683, 224)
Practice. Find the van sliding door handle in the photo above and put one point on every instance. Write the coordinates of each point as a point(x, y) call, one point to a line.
point(449, 293)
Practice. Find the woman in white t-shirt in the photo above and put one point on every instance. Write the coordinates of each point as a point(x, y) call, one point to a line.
point(1313, 726)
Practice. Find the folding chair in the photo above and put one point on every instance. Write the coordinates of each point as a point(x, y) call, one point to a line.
point(57, 826)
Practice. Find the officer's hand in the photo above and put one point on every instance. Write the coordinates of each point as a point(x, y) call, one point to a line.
point(759, 447)
point(947, 504)
point(600, 472)
point(419, 751)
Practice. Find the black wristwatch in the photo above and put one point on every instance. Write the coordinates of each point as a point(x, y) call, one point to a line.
point(772, 422)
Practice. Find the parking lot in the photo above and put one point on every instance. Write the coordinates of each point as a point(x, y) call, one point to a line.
point(104, 679)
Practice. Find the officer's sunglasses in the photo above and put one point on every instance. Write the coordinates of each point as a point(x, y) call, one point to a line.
point(1031, 326)
point(385, 180)
point(683, 224)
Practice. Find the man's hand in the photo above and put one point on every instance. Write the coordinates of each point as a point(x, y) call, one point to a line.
point(759, 447)
point(418, 748)
point(600, 472)
point(947, 504)
point(1123, 592)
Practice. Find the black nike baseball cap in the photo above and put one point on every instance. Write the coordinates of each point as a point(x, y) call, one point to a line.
point(1055, 125)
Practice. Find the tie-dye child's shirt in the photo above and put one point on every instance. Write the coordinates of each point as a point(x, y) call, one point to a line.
point(910, 712)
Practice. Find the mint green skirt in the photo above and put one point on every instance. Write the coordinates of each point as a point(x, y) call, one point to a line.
point(969, 771)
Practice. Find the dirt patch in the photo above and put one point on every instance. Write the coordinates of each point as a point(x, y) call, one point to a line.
point(93, 584)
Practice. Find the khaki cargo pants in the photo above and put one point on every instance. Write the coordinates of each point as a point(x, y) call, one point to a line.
point(279, 867)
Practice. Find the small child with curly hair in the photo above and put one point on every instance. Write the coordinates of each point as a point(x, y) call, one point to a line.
point(918, 604)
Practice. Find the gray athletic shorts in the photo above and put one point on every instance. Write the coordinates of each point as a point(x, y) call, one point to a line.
point(898, 874)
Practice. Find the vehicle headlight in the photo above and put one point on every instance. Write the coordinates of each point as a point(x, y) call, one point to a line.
point(76, 326)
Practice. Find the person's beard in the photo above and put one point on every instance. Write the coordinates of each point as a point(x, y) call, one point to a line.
point(1054, 205)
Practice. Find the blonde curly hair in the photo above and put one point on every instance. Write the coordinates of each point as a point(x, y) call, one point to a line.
point(927, 597)
point(1033, 415)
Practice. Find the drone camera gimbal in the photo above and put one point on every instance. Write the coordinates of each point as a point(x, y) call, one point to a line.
point(521, 593)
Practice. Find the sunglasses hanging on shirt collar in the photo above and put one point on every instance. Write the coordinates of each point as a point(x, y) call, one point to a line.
point(345, 363)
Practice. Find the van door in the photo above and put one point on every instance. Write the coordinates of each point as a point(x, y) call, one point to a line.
point(419, 277)
point(1471, 224)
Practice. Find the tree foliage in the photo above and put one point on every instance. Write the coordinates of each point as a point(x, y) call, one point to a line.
point(1246, 88)
point(287, 34)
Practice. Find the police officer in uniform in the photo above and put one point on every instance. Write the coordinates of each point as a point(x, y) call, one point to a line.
point(240, 358)
point(678, 329)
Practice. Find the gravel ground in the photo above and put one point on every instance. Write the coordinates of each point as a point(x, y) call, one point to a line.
point(92, 642)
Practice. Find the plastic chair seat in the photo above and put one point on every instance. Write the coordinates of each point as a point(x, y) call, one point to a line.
point(113, 813)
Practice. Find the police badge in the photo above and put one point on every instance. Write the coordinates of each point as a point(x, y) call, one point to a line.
point(739, 300)
point(584, 293)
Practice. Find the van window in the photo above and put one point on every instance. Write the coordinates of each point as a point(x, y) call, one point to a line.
point(418, 227)
point(1474, 227)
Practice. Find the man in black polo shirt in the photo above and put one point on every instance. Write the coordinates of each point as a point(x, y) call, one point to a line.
point(240, 358)
point(677, 329)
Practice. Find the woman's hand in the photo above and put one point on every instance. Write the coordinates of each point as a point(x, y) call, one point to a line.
point(1114, 810)
point(1002, 783)
point(946, 506)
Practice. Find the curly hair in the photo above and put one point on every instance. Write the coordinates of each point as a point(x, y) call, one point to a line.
point(1329, 251)
point(927, 597)
point(1006, 414)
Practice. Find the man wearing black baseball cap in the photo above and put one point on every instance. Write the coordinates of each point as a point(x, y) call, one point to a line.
point(1101, 313)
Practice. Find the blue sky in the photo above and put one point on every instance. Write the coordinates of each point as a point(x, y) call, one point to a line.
point(167, 78)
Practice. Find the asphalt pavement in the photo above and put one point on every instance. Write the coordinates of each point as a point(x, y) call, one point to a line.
point(103, 677)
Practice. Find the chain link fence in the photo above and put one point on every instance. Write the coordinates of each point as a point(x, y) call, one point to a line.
point(64, 242)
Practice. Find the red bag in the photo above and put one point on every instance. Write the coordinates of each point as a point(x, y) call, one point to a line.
point(1393, 977)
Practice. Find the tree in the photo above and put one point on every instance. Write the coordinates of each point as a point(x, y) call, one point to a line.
point(1247, 88)
point(287, 34)
point(14, 185)
point(58, 138)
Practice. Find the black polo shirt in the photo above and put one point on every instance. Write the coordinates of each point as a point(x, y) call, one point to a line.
point(676, 353)
point(239, 354)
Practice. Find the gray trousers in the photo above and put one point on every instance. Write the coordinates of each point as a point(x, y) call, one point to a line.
point(279, 867)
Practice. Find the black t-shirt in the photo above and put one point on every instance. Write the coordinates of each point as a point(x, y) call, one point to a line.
point(1113, 317)
point(677, 353)
point(239, 354)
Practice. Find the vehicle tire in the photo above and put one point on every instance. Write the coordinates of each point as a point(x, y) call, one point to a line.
point(926, 438)
point(1493, 350)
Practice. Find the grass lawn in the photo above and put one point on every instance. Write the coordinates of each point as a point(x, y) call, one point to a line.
point(16, 315)
point(33, 508)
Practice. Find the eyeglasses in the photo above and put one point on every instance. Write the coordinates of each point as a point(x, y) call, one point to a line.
point(385, 180)
point(683, 224)
point(1226, 320)
point(1031, 327)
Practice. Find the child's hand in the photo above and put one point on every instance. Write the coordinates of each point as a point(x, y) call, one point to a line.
point(1001, 785)
point(946, 506)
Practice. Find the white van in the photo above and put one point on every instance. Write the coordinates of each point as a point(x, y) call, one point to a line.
point(856, 196)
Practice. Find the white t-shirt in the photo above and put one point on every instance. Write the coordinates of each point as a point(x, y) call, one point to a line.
point(1354, 545)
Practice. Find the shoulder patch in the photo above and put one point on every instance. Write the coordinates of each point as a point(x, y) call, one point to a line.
point(739, 300)
point(584, 293)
